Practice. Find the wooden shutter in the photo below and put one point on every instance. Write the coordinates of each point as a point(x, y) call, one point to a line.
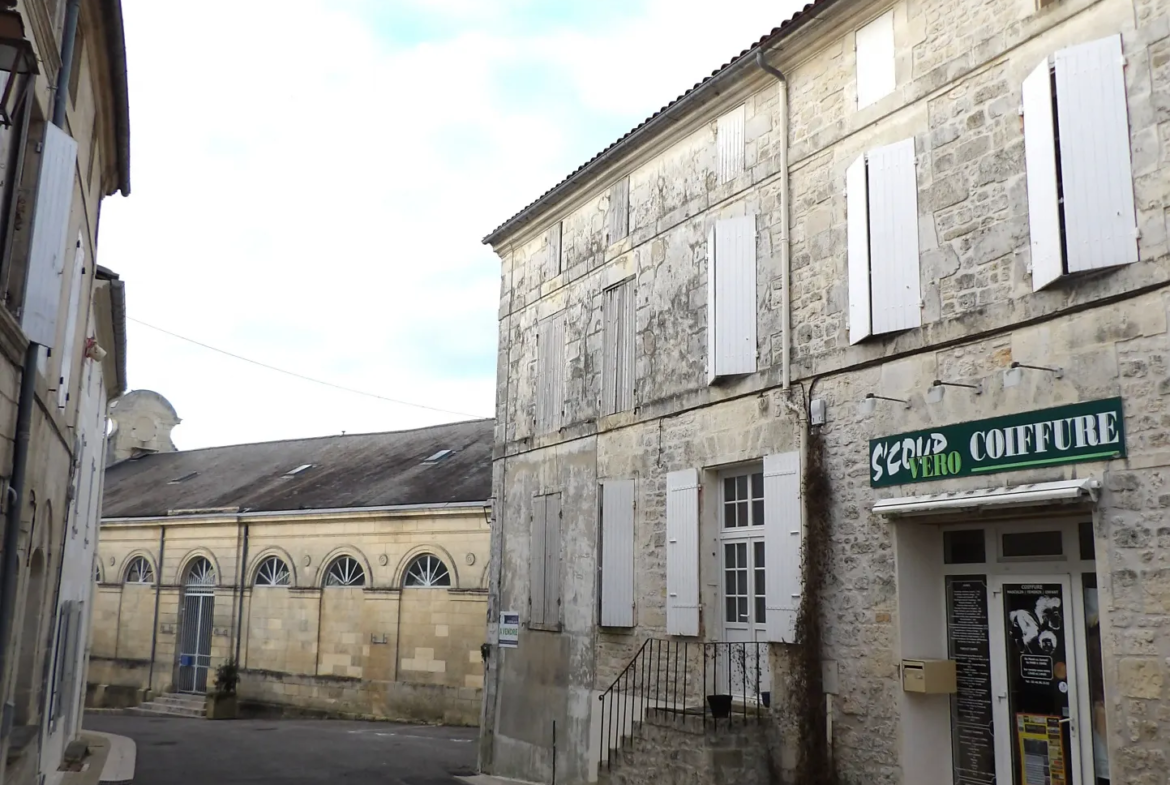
point(70, 339)
point(617, 218)
point(550, 374)
point(682, 552)
point(1043, 196)
point(857, 224)
point(731, 312)
point(553, 261)
point(875, 60)
point(617, 366)
point(895, 281)
point(552, 560)
point(1096, 176)
point(711, 307)
point(536, 559)
point(783, 538)
point(617, 553)
point(46, 260)
point(730, 139)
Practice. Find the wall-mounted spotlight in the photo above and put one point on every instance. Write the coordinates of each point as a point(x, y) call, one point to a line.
point(935, 393)
point(869, 403)
point(1013, 375)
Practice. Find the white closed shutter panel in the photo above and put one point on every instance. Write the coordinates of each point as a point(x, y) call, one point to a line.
point(552, 559)
point(857, 225)
point(617, 553)
point(732, 311)
point(617, 219)
point(46, 261)
point(550, 374)
point(1043, 195)
point(617, 370)
point(682, 552)
point(875, 60)
point(711, 309)
point(729, 136)
point(552, 248)
point(783, 537)
point(71, 316)
point(895, 281)
point(1097, 179)
point(536, 585)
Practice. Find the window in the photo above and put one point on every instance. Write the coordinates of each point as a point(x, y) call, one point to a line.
point(66, 664)
point(345, 571)
point(544, 591)
point(743, 500)
point(617, 216)
point(731, 298)
point(70, 341)
point(440, 455)
point(183, 478)
point(1076, 146)
point(617, 363)
point(294, 472)
point(729, 137)
point(742, 521)
point(273, 572)
point(1031, 544)
point(885, 290)
point(201, 573)
point(550, 374)
point(427, 572)
point(875, 60)
point(46, 265)
point(139, 571)
point(97, 571)
point(617, 553)
point(964, 546)
point(553, 257)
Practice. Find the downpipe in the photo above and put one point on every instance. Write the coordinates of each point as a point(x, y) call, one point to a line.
point(785, 209)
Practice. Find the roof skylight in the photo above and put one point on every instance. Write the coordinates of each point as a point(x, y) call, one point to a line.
point(440, 455)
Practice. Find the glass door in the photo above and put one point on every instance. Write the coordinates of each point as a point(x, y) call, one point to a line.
point(1034, 678)
point(743, 587)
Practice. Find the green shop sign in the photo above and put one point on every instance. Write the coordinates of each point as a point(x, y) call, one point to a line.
point(1090, 431)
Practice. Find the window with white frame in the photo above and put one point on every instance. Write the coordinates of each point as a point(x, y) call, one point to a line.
point(885, 287)
point(731, 298)
point(617, 361)
point(345, 572)
point(544, 591)
point(427, 572)
point(761, 535)
point(875, 60)
point(139, 570)
point(1077, 149)
point(729, 136)
point(273, 572)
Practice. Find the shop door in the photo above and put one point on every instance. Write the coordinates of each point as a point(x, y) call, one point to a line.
point(1034, 680)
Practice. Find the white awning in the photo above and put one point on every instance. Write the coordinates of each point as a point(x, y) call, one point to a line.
point(1062, 491)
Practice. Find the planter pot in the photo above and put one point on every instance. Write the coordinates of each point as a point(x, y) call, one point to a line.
point(222, 707)
point(766, 697)
point(720, 706)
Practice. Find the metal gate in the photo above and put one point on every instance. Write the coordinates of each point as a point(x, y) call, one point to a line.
point(195, 627)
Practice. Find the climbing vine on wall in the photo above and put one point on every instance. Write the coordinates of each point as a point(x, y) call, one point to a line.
point(814, 762)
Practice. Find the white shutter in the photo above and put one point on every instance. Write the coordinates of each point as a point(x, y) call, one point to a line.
point(895, 281)
point(617, 553)
point(552, 248)
point(617, 219)
point(71, 315)
point(550, 374)
point(732, 311)
point(857, 224)
point(782, 544)
point(1040, 158)
point(617, 368)
point(46, 261)
point(1099, 223)
point(552, 559)
point(682, 552)
point(730, 139)
point(536, 557)
point(875, 60)
point(712, 310)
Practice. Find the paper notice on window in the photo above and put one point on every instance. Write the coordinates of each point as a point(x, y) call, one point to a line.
point(1041, 750)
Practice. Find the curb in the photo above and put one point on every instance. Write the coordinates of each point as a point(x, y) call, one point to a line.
point(119, 768)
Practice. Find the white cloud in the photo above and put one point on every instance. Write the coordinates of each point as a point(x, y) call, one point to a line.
point(310, 191)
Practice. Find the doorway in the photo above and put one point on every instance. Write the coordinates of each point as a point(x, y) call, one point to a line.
point(198, 615)
point(743, 565)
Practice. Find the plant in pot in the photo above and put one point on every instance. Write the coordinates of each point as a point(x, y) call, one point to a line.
point(718, 703)
point(222, 702)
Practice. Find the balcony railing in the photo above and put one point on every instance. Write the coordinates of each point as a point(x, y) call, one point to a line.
point(723, 683)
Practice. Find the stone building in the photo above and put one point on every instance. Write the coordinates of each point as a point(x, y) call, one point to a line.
point(854, 355)
point(345, 574)
point(64, 147)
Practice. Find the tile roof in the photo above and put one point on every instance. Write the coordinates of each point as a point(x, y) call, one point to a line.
point(360, 470)
point(784, 28)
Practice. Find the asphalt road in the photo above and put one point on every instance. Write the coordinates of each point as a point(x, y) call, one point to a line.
point(296, 752)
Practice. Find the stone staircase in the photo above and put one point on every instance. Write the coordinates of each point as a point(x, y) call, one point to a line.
point(171, 705)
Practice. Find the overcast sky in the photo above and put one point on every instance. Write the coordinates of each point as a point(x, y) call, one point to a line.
point(312, 178)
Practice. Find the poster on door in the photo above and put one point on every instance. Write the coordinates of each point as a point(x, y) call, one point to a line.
point(1041, 751)
point(1035, 617)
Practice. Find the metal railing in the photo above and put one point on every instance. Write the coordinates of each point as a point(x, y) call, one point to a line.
point(722, 683)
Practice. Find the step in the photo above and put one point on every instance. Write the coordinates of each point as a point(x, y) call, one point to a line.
point(180, 700)
point(163, 710)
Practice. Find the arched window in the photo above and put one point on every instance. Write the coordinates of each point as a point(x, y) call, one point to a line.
point(200, 573)
point(427, 572)
point(139, 571)
point(97, 571)
point(345, 571)
point(273, 572)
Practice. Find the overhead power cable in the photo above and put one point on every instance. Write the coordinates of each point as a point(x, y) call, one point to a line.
point(302, 376)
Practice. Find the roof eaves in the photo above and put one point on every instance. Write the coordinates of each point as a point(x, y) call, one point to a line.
point(658, 119)
point(116, 50)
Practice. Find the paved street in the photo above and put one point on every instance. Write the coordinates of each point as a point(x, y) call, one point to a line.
point(197, 752)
